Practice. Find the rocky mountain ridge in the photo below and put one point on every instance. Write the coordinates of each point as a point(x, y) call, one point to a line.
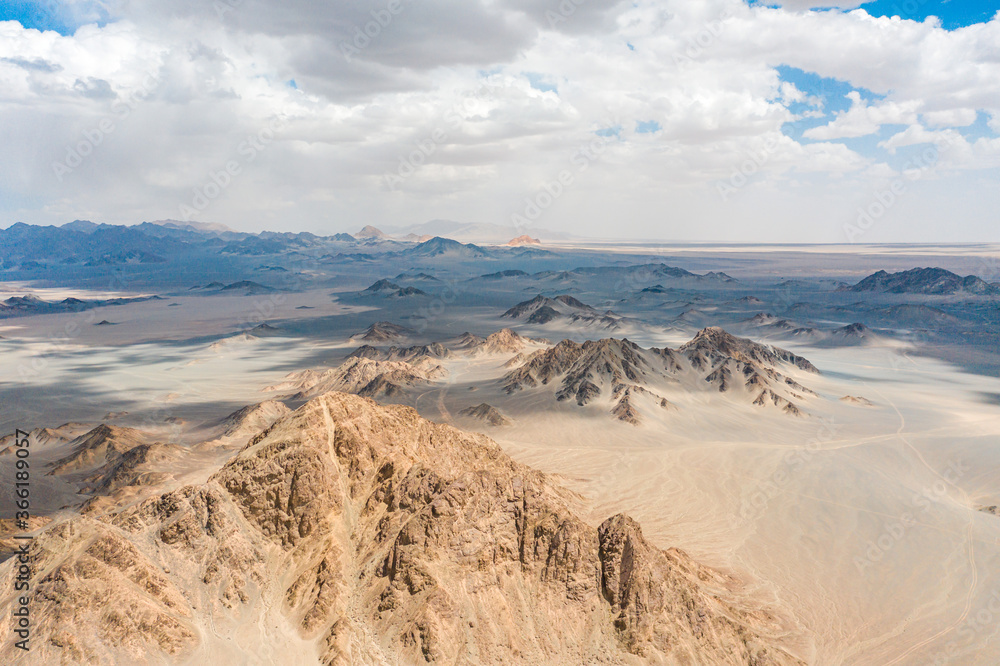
point(348, 533)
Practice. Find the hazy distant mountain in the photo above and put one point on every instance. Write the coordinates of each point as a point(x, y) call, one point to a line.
point(246, 288)
point(370, 232)
point(523, 240)
point(642, 274)
point(81, 242)
point(925, 281)
point(21, 243)
point(212, 227)
point(22, 306)
point(86, 226)
point(447, 248)
point(475, 232)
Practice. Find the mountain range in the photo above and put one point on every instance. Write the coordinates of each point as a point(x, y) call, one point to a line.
point(925, 281)
point(627, 375)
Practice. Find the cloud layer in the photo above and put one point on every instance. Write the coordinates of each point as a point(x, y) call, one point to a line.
point(676, 120)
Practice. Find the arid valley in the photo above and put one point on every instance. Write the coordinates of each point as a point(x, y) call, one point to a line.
point(288, 448)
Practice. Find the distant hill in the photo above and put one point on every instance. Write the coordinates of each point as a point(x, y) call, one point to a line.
point(213, 227)
point(446, 247)
point(924, 281)
point(474, 232)
point(565, 309)
point(85, 243)
point(523, 240)
point(370, 232)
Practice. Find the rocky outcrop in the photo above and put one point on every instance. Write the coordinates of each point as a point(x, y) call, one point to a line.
point(523, 240)
point(565, 308)
point(248, 421)
point(356, 533)
point(623, 371)
point(488, 413)
point(384, 331)
point(103, 444)
point(408, 354)
point(142, 465)
point(504, 341)
point(370, 232)
point(361, 375)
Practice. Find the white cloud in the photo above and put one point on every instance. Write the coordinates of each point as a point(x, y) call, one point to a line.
point(196, 85)
point(862, 119)
point(949, 118)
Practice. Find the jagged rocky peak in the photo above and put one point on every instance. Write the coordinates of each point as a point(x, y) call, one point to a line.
point(103, 444)
point(383, 285)
point(505, 340)
point(351, 531)
point(712, 344)
point(253, 418)
point(385, 331)
point(856, 330)
point(543, 309)
point(468, 340)
point(410, 354)
point(488, 413)
point(611, 359)
point(629, 375)
point(363, 376)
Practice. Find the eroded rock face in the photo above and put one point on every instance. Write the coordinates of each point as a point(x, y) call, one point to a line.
point(378, 537)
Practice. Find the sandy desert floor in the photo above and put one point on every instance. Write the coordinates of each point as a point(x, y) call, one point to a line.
point(858, 522)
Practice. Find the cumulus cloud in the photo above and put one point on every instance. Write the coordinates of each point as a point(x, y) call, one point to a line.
point(394, 111)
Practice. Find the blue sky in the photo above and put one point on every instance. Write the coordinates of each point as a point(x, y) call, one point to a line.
point(52, 15)
point(953, 13)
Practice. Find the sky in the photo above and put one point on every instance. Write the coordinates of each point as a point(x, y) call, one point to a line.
point(716, 120)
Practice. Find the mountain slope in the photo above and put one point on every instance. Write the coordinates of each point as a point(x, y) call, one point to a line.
point(350, 533)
